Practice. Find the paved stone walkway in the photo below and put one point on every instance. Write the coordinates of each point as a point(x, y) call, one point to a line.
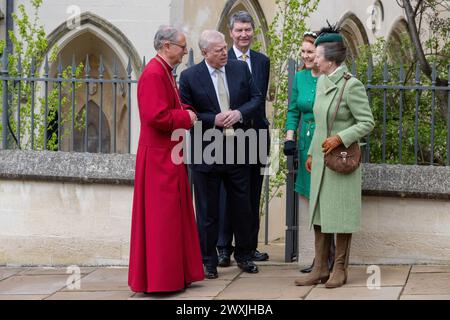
point(275, 281)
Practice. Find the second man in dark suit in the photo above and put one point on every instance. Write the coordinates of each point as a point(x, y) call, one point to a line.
point(242, 32)
point(226, 98)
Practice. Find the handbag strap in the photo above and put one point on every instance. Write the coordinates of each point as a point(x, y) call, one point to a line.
point(346, 77)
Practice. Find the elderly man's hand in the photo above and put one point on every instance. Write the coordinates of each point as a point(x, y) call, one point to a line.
point(232, 117)
point(193, 116)
point(220, 118)
point(330, 144)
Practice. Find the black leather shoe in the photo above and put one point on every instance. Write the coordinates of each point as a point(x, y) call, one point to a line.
point(248, 266)
point(211, 272)
point(259, 256)
point(224, 260)
point(308, 269)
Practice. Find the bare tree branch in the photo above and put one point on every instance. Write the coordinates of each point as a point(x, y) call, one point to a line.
point(399, 4)
point(420, 54)
point(410, 19)
point(443, 3)
point(419, 3)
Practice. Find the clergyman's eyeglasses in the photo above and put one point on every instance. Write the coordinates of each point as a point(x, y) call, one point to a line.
point(179, 45)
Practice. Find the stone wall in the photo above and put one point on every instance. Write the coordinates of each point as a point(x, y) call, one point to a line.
point(61, 208)
point(64, 223)
point(394, 231)
point(405, 217)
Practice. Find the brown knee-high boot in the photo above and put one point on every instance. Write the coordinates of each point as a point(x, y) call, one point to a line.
point(320, 271)
point(339, 275)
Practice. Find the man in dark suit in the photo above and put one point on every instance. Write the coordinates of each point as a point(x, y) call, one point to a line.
point(241, 31)
point(225, 97)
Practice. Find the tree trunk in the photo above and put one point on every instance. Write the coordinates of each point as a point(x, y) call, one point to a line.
point(425, 66)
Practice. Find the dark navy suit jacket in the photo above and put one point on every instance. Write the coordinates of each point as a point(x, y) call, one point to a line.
point(197, 90)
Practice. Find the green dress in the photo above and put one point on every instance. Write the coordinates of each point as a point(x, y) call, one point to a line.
point(301, 109)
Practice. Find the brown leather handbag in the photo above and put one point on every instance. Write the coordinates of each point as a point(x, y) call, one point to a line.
point(341, 159)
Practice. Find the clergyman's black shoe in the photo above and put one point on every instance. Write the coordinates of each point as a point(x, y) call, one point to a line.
point(259, 256)
point(248, 266)
point(211, 272)
point(224, 260)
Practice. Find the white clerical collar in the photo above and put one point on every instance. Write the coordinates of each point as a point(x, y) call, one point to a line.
point(335, 70)
point(212, 70)
point(239, 53)
point(166, 61)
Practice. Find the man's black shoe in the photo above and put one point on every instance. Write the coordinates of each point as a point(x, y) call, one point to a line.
point(248, 266)
point(211, 272)
point(224, 260)
point(308, 269)
point(259, 256)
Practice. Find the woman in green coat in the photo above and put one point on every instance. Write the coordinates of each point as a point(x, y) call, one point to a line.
point(335, 198)
point(300, 112)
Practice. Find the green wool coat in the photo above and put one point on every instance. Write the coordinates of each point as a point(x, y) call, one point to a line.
point(335, 201)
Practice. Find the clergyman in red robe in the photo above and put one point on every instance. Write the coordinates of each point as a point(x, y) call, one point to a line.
point(164, 249)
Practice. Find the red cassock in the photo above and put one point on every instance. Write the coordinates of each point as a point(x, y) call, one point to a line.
point(164, 250)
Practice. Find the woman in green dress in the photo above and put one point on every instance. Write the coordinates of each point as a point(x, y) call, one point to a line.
point(300, 114)
point(301, 109)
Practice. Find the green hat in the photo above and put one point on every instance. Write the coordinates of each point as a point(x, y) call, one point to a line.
point(329, 37)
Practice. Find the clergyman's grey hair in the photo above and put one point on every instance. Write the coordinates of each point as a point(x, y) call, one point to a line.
point(243, 17)
point(208, 37)
point(165, 33)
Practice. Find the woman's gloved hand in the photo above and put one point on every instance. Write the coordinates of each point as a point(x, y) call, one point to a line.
point(308, 164)
point(331, 143)
point(289, 148)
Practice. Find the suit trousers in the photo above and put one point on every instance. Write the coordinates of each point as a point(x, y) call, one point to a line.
point(207, 186)
point(225, 242)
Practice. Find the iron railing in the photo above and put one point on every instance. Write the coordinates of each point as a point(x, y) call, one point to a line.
point(74, 130)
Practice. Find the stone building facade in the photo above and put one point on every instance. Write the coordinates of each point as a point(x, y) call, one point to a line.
point(120, 31)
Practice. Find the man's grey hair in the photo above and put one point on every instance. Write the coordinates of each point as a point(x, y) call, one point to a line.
point(208, 37)
point(165, 33)
point(243, 17)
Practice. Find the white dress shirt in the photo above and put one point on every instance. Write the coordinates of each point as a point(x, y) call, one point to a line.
point(213, 75)
point(239, 54)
